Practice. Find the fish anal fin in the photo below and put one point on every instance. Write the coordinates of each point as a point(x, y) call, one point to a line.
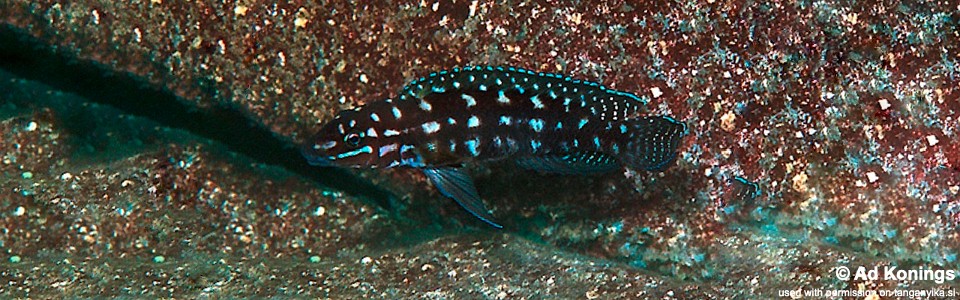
point(454, 183)
point(575, 163)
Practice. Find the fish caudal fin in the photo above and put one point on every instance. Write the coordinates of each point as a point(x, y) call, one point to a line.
point(453, 183)
point(651, 142)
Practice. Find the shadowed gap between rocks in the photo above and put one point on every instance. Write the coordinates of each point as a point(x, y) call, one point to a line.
point(26, 56)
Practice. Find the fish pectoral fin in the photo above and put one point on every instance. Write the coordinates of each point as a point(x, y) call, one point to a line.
point(575, 163)
point(453, 183)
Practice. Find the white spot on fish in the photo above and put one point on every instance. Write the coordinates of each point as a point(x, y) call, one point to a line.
point(387, 149)
point(583, 122)
point(425, 106)
point(451, 121)
point(502, 98)
point(505, 120)
point(553, 94)
point(325, 146)
point(536, 102)
point(365, 149)
point(536, 124)
point(456, 84)
point(372, 132)
point(396, 113)
point(470, 100)
point(472, 146)
point(482, 87)
point(430, 127)
point(375, 117)
point(473, 122)
point(390, 132)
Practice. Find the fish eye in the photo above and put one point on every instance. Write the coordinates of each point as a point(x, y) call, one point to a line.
point(352, 139)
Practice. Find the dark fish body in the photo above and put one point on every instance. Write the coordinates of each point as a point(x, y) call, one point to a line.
point(545, 121)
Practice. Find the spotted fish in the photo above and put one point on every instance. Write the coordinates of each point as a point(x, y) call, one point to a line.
point(546, 122)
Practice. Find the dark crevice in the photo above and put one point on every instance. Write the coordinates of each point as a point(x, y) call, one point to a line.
point(30, 58)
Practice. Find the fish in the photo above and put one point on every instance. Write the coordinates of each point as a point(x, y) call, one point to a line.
point(739, 200)
point(543, 121)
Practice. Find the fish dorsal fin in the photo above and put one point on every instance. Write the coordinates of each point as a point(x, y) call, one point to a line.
point(576, 163)
point(453, 183)
point(527, 84)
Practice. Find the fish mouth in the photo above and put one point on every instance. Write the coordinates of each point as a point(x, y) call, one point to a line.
point(313, 159)
point(319, 161)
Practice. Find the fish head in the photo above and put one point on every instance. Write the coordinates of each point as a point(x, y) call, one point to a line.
point(346, 141)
